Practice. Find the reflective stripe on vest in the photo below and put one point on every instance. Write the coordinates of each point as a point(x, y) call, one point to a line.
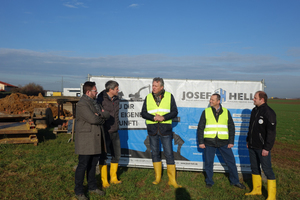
point(216, 129)
point(163, 108)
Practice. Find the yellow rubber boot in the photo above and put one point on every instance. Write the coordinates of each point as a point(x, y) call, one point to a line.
point(171, 170)
point(271, 190)
point(103, 171)
point(113, 173)
point(256, 181)
point(157, 169)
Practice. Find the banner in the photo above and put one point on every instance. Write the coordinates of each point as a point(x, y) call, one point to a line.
point(192, 97)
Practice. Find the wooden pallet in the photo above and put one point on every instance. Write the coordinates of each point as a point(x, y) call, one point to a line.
point(56, 130)
point(17, 133)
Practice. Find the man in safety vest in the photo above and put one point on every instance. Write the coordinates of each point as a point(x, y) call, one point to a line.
point(216, 131)
point(159, 109)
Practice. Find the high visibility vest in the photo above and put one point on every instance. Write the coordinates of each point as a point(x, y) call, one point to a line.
point(163, 108)
point(216, 129)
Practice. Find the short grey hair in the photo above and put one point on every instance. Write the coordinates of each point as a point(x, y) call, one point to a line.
point(158, 79)
point(111, 85)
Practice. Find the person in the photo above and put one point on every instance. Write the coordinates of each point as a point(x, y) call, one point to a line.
point(216, 131)
point(159, 109)
point(89, 139)
point(109, 100)
point(260, 140)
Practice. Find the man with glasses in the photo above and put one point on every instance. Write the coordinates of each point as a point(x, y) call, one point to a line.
point(89, 139)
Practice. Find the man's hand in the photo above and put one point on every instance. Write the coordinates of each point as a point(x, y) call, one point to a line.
point(202, 146)
point(230, 146)
point(264, 152)
point(159, 118)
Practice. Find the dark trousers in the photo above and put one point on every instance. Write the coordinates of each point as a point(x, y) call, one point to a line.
point(113, 146)
point(166, 141)
point(209, 155)
point(256, 159)
point(86, 163)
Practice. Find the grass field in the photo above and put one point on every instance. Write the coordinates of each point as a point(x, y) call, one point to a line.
point(46, 171)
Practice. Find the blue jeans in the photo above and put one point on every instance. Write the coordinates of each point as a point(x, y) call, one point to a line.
point(113, 147)
point(256, 159)
point(86, 163)
point(209, 155)
point(166, 141)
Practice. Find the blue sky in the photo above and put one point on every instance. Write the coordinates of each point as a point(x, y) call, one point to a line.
point(42, 41)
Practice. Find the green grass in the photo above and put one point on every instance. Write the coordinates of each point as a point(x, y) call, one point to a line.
point(46, 171)
point(288, 116)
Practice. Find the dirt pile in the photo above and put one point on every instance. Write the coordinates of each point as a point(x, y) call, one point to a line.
point(18, 103)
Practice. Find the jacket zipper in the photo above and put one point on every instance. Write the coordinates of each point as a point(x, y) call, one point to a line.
point(261, 139)
point(253, 125)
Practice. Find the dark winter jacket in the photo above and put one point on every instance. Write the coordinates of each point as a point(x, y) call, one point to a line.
point(89, 137)
point(112, 106)
point(163, 129)
point(262, 128)
point(215, 142)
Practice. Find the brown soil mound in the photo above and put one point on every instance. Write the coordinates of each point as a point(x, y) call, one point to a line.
point(18, 103)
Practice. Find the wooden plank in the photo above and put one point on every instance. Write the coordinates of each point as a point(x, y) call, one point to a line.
point(55, 131)
point(21, 140)
point(16, 128)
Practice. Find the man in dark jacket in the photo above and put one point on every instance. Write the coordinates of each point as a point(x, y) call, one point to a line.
point(260, 140)
point(109, 100)
point(159, 109)
point(89, 139)
point(216, 131)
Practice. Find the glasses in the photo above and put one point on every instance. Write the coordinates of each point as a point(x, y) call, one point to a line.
point(94, 91)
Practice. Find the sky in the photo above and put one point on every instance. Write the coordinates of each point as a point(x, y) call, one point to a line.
point(58, 43)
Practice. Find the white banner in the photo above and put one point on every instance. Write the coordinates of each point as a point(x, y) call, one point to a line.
point(192, 97)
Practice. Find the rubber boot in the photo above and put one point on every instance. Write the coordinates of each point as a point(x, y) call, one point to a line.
point(271, 189)
point(171, 170)
point(157, 169)
point(256, 181)
point(103, 171)
point(113, 173)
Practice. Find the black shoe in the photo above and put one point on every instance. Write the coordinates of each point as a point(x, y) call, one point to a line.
point(241, 186)
point(208, 185)
point(97, 191)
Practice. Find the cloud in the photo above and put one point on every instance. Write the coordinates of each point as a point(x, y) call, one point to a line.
point(47, 68)
point(74, 4)
point(133, 5)
point(295, 52)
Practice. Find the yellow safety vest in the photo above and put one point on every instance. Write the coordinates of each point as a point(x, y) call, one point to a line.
point(216, 129)
point(163, 108)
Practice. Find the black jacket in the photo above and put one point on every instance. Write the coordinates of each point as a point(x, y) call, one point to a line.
point(215, 142)
point(112, 106)
point(262, 128)
point(164, 129)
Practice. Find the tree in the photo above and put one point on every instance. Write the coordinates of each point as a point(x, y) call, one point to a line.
point(30, 89)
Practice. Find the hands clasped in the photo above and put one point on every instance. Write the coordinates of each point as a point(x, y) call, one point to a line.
point(158, 118)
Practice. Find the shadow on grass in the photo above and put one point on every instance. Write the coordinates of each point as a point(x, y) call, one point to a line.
point(45, 134)
point(121, 170)
point(182, 193)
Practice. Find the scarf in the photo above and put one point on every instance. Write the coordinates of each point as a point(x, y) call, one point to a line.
point(157, 97)
point(94, 102)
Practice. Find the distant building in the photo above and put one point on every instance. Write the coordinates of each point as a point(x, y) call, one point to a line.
point(68, 92)
point(54, 94)
point(71, 92)
point(5, 87)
